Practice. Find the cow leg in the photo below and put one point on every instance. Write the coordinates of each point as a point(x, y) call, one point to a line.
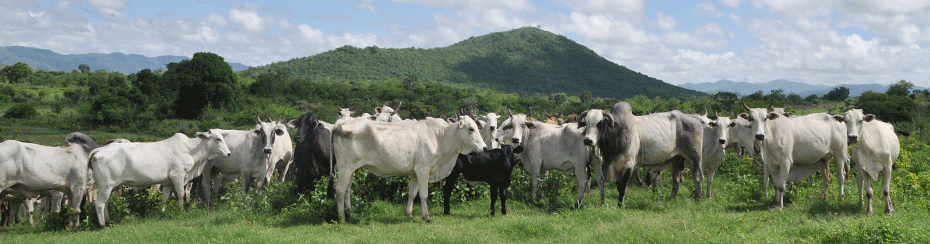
point(245, 179)
point(710, 181)
point(842, 162)
point(697, 174)
point(765, 178)
point(103, 195)
point(423, 186)
point(503, 194)
point(860, 180)
point(780, 180)
point(411, 194)
point(599, 177)
point(825, 169)
point(17, 211)
point(205, 178)
point(30, 210)
point(165, 193)
point(343, 184)
point(677, 177)
point(621, 185)
point(534, 183)
point(581, 178)
point(495, 189)
point(447, 192)
point(179, 186)
point(77, 194)
point(868, 195)
point(287, 167)
point(886, 190)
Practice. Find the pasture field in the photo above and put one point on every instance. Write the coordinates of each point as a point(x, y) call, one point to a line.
point(738, 213)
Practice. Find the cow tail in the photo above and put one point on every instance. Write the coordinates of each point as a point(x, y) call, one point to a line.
point(332, 155)
point(91, 158)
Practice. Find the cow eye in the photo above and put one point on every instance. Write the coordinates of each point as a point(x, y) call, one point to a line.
point(279, 132)
point(733, 124)
point(471, 130)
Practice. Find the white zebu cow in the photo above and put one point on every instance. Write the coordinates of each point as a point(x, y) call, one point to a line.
point(875, 147)
point(388, 114)
point(425, 150)
point(173, 161)
point(794, 148)
point(489, 130)
point(551, 147)
point(715, 140)
point(31, 169)
point(282, 154)
point(655, 140)
point(251, 156)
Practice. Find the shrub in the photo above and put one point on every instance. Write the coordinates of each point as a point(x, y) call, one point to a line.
point(21, 111)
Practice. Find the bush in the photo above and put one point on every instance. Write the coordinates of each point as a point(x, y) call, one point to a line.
point(887, 107)
point(21, 111)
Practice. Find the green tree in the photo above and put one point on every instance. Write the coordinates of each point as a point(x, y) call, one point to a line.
point(795, 98)
point(902, 88)
point(84, 68)
point(811, 99)
point(776, 95)
point(205, 80)
point(17, 72)
point(586, 97)
point(837, 94)
point(726, 99)
point(758, 95)
point(887, 107)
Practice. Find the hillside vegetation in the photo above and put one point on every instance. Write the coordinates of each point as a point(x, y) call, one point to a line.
point(525, 60)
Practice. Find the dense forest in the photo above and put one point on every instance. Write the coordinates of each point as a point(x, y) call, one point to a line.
point(525, 60)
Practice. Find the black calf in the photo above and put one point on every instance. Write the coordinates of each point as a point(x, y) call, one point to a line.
point(494, 167)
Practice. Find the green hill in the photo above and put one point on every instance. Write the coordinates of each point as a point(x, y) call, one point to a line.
point(521, 60)
point(45, 59)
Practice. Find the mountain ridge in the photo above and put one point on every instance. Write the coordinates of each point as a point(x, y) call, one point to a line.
point(524, 60)
point(45, 59)
point(803, 89)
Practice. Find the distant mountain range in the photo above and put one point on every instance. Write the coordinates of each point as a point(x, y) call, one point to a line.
point(38, 58)
point(803, 89)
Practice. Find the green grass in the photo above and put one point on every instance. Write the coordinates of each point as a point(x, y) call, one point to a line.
point(647, 217)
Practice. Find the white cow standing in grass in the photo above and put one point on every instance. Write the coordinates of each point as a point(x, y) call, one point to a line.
point(874, 148)
point(489, 130)
point(252, 152)
point(173, 161)
point(28, 169)
point(424, 150)
point(794, 148)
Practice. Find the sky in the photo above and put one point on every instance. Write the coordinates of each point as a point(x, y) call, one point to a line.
point(825, 42)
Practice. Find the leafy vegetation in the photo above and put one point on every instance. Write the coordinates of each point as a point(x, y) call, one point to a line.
point(525, 60)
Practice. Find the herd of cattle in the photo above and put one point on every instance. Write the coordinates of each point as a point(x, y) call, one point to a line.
point(612, 144)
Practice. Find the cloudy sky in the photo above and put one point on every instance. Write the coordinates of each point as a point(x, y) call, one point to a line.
point(818, 42)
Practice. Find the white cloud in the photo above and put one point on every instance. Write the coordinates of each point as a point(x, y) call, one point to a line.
point(666, 22)
point(473, 4)
point(248, 19)
point(216, 20)
point(109, 4)
point(368, 5)
point(731, 3)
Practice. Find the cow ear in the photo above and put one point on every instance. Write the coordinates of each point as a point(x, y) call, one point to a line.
point(202, 135)
point(744, 116)
point(530, 125)
point(451, 120)
point(378, 110)
point(772, 116)
point(257, 131)
point(838, 118)
point(279, 132)
point(712, 124)
point(518, 149)
point(291, 124)
point(869, 117)
point(732, 124)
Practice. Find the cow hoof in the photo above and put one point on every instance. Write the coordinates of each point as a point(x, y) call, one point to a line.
point(427, 220)
point(409, 216)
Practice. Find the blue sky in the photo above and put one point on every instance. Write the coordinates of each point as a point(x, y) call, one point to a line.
point(817, 42)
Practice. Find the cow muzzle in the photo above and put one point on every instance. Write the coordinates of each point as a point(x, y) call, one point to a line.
point(267, 150)
point(588, 142)
point(722, 141)
point(760, 137)
point(515, 140)
point(853, 139)
point(228, 154)
point(492, 128)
